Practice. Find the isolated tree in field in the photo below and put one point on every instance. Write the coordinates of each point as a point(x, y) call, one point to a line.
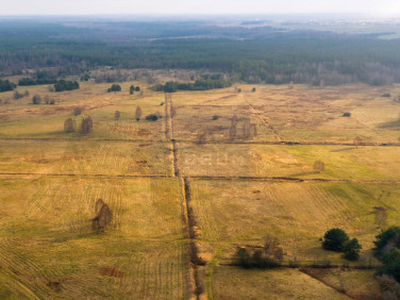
point(26, 94)
point(352, 249)
point(86, 125)
point(36, 99)
point(18, 95)
point(117, 115)
point(137, 88)
point(77, 110)
point(234, 120)
point(319, 166)
point(335, 239)
point(246, 129)
point(69, 125)
point(131, 89)
point(232, 132)
point(103, 217)
point(253, 131)
point(138, 113)
point(253, 89)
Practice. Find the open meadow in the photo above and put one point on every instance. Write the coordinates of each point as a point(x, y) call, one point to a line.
point(215, 170)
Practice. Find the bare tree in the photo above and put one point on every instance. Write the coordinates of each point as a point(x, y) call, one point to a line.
point(232, 132)
point(234, 120)
point(246, 129)
point(36, 99)
point(138, 113)
point(103, 217)
point(117, 115)
point(69, 125)
point(86, 125)
point(253, 131)
point(77, 110)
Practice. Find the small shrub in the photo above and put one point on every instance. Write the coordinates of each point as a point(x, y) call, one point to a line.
point(137, 88)
point(347, 114)
point(253, 90)
point(215, 117)
point(152, 117)
point(386, 95)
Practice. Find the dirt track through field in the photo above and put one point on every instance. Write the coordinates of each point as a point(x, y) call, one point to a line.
point(193, 281)
point(265, 121)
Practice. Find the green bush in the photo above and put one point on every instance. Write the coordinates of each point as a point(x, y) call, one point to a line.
point(335, 239)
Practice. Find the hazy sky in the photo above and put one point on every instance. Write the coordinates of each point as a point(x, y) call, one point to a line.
point(132, 7)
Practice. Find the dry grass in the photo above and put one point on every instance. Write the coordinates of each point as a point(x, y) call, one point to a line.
point(49, 250)
point(235, 283)
point(298, 214)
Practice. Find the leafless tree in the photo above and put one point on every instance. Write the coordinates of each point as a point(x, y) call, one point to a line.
point(138, 113)
point(69, 125)
point(232, 132)
point(117, 115)
point(103, 217)
point(86, 125)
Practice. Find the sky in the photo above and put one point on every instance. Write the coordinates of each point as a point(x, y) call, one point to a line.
point(197, 7)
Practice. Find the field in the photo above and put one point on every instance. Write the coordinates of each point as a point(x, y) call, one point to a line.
point(219, 169)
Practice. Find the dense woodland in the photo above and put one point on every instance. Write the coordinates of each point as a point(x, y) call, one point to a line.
point(254, 55)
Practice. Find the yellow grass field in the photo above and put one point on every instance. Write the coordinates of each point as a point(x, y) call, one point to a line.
point(185, 180)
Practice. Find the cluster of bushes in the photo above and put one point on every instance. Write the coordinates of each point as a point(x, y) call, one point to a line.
point(114, 88)
point(63, 85)
point(133, 88)
point(337, 239)
point(18, 95)
point(388, 251)
point(268, 256)
point(6, 85)
point(206, 82)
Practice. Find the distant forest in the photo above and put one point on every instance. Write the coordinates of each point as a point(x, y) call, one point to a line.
point(250, 54)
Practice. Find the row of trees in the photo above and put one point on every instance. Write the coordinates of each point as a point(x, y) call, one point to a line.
point(206, 82)
point(63, 85)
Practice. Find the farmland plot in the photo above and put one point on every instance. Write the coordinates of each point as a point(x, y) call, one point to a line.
point(298, 214)
point(48, 248)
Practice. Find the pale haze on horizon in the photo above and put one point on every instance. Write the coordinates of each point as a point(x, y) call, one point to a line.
point(197, 7)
